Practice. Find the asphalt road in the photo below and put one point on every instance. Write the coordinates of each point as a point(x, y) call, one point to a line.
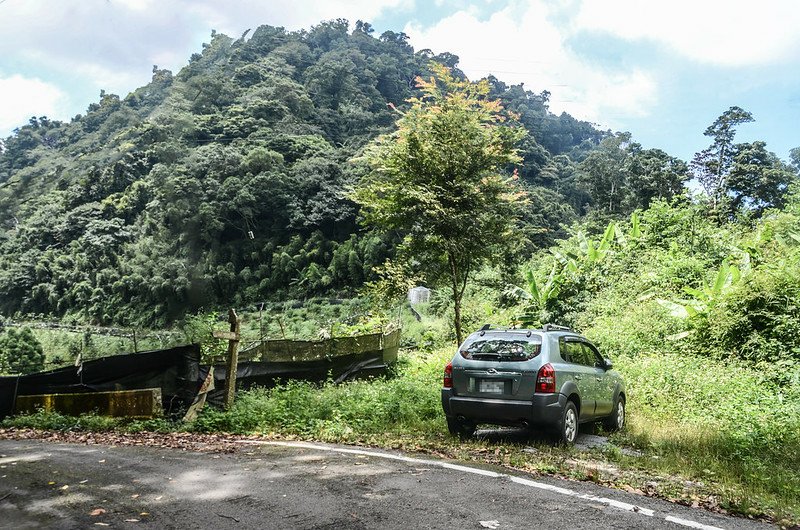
point(268, 485)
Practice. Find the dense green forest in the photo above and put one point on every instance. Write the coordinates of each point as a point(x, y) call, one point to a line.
point(227, 182)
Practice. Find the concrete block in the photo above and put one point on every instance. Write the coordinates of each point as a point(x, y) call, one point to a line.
point(119, 403)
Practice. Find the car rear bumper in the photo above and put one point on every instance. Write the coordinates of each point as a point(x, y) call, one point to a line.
point(543, 409)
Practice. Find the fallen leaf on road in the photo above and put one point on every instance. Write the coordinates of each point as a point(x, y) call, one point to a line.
point(102, 524)
point(83, 481)
point(131, 520)
point(490, 524)
point(101, 461)
point(64, 487)
point(136, 495)
point(97, 511)
point(159, 497)
point(144, 514)
point(50, 483)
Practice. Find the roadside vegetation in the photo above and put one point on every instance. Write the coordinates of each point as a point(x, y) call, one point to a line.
point(710, 356)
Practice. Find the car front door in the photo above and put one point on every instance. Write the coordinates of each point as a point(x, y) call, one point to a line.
point(604, 383)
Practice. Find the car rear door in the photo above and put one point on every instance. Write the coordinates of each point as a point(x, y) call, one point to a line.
point(572, 351)
point(489, 375)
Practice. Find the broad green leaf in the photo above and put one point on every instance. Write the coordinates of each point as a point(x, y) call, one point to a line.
point(605, 242)
point(635, 232)
point(675, 309)
point(697, 293)
point(620, 236)
point(723, 278)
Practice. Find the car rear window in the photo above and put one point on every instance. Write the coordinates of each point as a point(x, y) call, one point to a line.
point(502, 349)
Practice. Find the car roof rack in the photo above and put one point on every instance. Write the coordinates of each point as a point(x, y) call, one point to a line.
point(555, 327)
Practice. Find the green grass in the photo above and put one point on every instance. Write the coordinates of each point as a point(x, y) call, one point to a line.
point(53, 421)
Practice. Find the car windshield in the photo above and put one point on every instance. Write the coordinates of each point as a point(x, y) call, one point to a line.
point(503, 349)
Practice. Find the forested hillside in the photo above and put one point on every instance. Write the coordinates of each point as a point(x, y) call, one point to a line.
point(227, 182)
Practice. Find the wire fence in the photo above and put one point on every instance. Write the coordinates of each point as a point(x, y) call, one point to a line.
point(68, 344)
point(65, 344)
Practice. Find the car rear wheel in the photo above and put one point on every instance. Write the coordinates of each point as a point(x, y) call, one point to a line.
point(568, 428)
point(462, 429)
point(616, 421)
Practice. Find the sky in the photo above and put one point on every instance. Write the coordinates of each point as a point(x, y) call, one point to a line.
point(661, 69)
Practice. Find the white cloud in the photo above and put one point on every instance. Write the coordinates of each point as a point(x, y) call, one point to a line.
point(526, 47)
point(23, 98)
point(724, 32)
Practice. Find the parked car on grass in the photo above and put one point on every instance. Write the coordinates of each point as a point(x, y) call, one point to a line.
point(550, 378)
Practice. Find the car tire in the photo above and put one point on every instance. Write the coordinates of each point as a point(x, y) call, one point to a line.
point(616, 421)
point(462, 429)
point(568, 427)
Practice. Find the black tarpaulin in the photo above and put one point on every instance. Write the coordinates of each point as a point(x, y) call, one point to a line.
point(178, 373)
point(175, 371)
point(254, 373)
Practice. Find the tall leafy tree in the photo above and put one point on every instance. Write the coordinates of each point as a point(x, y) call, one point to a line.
point(653, 174)
point(758, 179)
point(438, 180)
point(603, 173)
point(712, 166)
point(794, 156)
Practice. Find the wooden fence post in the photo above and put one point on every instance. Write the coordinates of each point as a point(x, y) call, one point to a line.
point(233, 356)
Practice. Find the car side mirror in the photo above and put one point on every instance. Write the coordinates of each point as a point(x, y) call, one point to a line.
point(607, 364)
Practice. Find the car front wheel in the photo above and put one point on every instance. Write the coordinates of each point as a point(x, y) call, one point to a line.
point(616, 421)
point(568, 428)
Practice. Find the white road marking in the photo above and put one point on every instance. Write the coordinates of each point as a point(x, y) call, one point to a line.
point(483, 472)
point(690, 524)
point(31, 457)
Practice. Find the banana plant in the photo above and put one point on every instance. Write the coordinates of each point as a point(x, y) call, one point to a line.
point(542, 294)
point(635, 231)
point(539, 295)
point(705, 298)
point(595, 252)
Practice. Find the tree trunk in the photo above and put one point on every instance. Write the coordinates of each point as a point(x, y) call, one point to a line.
point(457, 319)
point(459, 285)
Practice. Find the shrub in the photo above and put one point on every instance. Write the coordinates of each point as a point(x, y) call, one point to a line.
point(23, 354)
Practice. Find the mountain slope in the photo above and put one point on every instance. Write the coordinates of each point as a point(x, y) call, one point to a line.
point(226, 183)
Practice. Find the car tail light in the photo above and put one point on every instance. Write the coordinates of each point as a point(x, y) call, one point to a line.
point(448, 376)
point(546, 379)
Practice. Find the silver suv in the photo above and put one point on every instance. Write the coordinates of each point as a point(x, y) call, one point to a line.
point(550, 378)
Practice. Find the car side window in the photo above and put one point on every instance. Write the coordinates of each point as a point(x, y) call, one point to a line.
point(584, 356)
point(596, 359)
point(572, 351)
point(567, 349)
